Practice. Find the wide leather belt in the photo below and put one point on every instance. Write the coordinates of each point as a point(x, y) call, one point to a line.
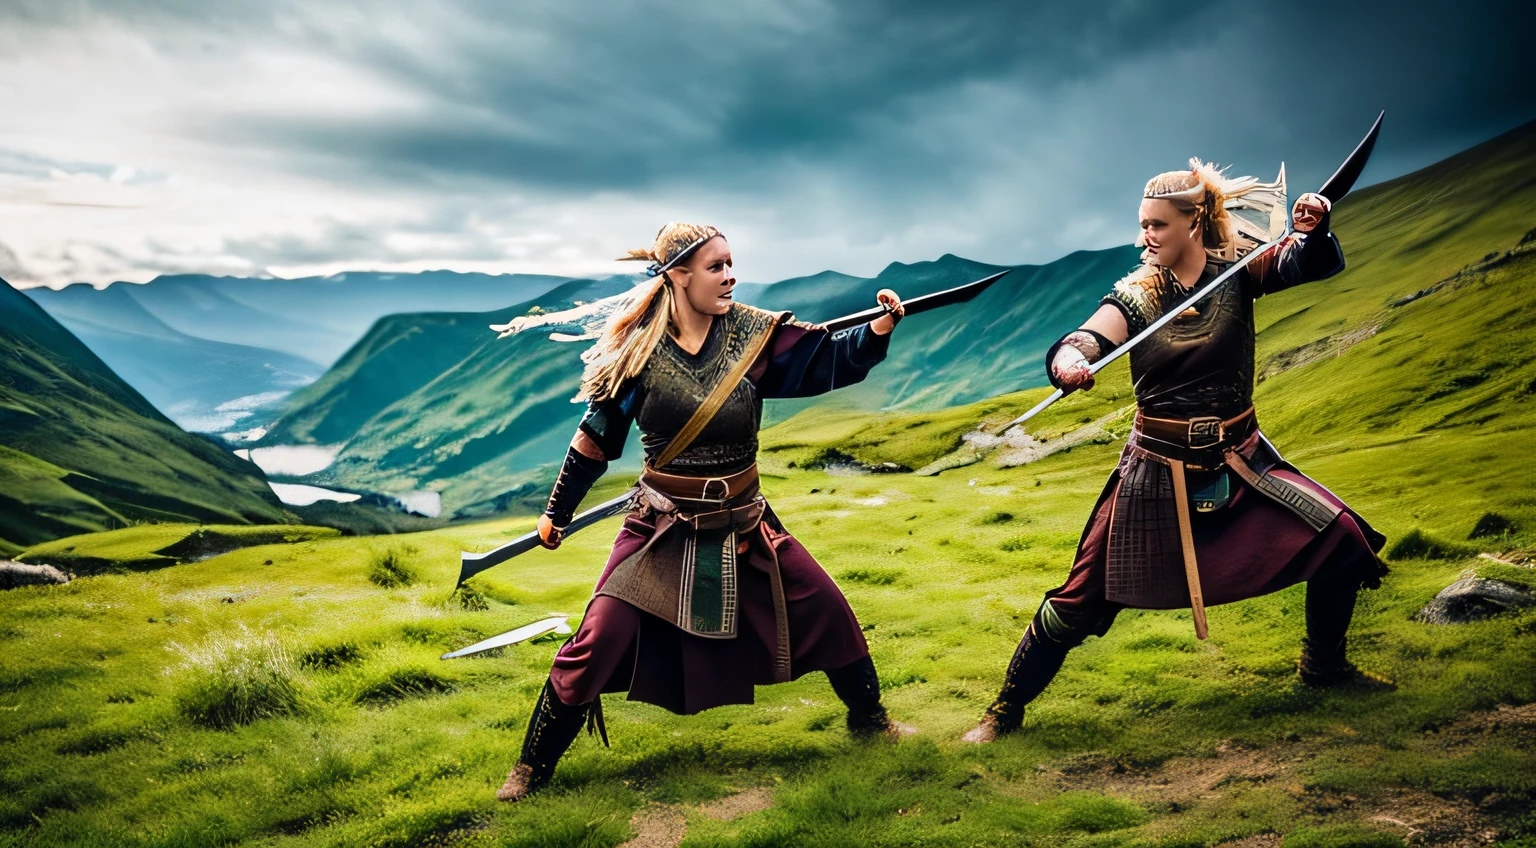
point(1194, 437)
point(708, 503)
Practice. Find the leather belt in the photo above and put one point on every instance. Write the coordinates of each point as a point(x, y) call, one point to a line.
point(711, 490)
point(1205, 433)
point(708, 503)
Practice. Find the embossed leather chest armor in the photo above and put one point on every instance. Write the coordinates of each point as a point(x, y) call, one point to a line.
point(1200, 364)
point(676, 382)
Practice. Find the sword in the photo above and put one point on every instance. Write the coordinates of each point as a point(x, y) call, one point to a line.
point(922, 303)
point(553, 624)
point(472, 564)
point(1337, 186)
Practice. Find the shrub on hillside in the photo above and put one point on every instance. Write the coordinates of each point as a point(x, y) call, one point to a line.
point(392, 569)
point(1416, 544)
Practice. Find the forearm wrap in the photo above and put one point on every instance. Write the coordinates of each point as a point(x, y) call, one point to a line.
point(1093, 346)
point(576, 478)
point(1320, 256)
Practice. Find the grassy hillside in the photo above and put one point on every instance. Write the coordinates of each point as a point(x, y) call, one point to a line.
point(398, 356)
point(80, 450)
point(184, 376)
point(290, 694)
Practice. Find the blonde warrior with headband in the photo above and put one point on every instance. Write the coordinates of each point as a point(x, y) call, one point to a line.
point(705, 595)
point(1201, 509)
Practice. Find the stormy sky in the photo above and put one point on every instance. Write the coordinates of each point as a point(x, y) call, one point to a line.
point(142, 137)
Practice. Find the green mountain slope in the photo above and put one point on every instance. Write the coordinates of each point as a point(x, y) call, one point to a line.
point(474, 429)
point(80, 450)
point(186, 377)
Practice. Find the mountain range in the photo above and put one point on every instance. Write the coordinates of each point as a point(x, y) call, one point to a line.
point(80, 450)
point(433, 400)
point(252, 340)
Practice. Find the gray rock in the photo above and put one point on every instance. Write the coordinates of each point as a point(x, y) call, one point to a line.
point(1473, 598)
point(14, 574)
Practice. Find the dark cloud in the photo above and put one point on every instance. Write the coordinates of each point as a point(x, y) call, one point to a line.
point(1007, 131)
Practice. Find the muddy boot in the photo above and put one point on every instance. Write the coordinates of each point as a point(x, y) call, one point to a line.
point(858, 686)
point(1330, 606)
point(551, 730)
point(1032, 668)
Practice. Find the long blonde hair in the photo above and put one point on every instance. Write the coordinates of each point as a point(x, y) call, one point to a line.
point(634, 330)
point(1201, 191)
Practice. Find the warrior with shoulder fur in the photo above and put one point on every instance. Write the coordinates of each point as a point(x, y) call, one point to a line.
point(1201, 508)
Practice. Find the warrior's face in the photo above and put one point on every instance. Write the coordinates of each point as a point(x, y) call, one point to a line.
point(706, 280)
point(1167, 233)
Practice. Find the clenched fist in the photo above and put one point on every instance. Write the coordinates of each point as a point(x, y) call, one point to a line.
point(1308, 212)
point(1071, 369)
point(893, 312)
point(549, 534)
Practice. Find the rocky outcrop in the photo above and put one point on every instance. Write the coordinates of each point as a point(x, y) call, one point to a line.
point(14, 574)
point(1473, 598)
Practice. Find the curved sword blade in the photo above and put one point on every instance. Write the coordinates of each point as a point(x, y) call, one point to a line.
point(922, 303)
point(1344, 178)
point(553, 624)
point(471, 564)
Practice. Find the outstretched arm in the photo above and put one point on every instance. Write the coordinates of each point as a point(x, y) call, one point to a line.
point(805, 359)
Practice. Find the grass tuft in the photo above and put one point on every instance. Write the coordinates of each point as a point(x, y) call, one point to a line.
point(392, 569)
point(1493, 526)
point(232, 681)
point(468, 599)
point(872, 576)
point(331, 657)
point(402, 682)
point(1416, 544)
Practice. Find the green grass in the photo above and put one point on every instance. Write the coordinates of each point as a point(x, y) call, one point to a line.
point(1148, 737)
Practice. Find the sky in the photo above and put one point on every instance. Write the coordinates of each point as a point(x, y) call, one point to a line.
point(143, 137)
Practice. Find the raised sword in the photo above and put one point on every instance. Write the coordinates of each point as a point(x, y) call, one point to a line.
point(1337, 186)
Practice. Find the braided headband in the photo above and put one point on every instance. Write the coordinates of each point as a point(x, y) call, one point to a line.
point(658, 268)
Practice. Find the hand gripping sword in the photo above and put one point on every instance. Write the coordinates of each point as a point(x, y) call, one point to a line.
point(1337, 186)
point(471, 564)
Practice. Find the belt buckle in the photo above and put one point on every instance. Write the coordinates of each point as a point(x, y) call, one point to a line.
point(725, 492)
point(1206, 432)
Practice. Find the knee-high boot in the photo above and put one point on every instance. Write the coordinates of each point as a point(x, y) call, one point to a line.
point(551, 730)
point(1035, 663)
point(858, 686)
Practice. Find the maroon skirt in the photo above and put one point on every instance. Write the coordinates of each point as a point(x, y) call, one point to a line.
point(1252, 546)
point(619, 648)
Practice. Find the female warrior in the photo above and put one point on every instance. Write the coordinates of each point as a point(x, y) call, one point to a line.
point(705, 594)
point(1197, 482)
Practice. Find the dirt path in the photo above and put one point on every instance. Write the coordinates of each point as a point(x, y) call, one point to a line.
point(666, 825)
point(1418, 817)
